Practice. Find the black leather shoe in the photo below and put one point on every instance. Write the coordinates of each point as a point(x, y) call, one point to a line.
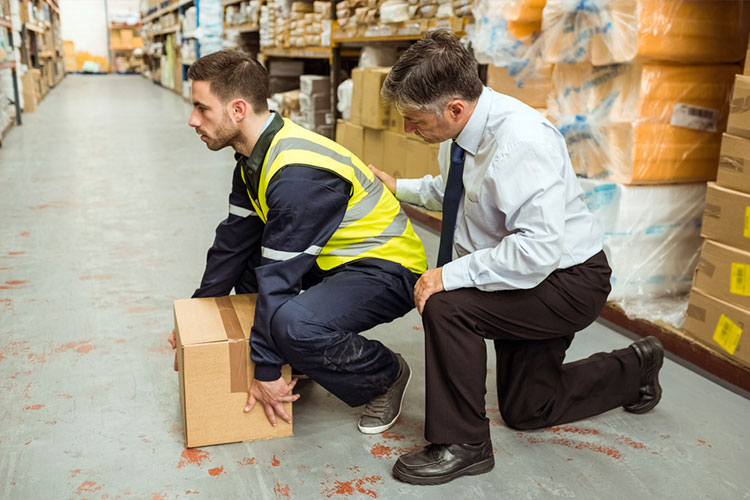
point(651, 356)
point(440, 463)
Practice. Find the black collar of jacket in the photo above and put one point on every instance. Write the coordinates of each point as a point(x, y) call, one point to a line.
point(252, 165)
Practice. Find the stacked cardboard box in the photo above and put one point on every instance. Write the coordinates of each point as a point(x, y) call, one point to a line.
point(301, 17)
point(33, 89)
point(719, 309)
point(376, 134)
point(315, 104)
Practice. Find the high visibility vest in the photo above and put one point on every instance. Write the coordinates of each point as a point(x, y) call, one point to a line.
point(374, 226)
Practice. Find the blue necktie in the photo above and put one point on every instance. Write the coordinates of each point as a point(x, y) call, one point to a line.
point(454, 189)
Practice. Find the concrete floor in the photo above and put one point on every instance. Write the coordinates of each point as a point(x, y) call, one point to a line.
point(108, 203)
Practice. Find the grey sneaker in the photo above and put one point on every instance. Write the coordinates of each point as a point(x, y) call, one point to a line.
point(381, 413)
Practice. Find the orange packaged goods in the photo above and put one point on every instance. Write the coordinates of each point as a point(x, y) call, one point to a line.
point(642, 123)
point(617, 31)
point(524, 11)
point(215, 370)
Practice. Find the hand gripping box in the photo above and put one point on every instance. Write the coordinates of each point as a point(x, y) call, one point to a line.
point(215, 370)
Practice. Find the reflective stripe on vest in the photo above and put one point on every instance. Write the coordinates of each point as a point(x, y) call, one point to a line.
point(373, 225)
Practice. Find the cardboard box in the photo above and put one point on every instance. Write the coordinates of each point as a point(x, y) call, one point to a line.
point(375, 111)
point(739, 109)
point(719, 325)
point(726, 216)
point(318, 118)
point(357, 89)
point(724, 272)
point(352, 137)
point(374, 147)
point(395, 150)
point(395, 120)
point(314, 84)
point(315, 102)
point(734, 163)
point(215, 370)
point(421, 158)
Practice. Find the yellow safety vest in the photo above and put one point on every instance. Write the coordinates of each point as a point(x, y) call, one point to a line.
point(374, 226)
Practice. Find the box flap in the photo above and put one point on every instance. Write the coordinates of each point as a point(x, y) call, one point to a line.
point(201, 320)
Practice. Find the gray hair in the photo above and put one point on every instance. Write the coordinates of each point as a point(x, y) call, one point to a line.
point(432, 72)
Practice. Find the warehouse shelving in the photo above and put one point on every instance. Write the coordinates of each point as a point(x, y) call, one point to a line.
point(6, 24)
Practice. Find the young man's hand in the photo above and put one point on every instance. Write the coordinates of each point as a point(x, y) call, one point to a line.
point(387, 179)
point(271, 395)
point(173, 341)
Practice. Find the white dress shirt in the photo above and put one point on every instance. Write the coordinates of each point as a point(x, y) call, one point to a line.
point(522, 214)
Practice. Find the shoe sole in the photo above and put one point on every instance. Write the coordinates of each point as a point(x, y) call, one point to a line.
point(656, 368)
point(385, 427)
point(472, 470)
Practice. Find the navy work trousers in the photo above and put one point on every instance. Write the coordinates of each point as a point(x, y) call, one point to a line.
point(318, 331)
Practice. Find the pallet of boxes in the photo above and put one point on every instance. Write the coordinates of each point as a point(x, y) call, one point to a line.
point(375, 132)
point(719, 311)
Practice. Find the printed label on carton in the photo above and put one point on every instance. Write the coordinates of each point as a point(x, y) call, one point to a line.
point(694, 117)
point(727, 334)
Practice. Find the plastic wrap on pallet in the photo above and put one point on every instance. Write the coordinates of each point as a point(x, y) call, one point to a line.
point(642, 123)
point(652, 240)
point(513, 51)
point(523, 11)
point(617, 31)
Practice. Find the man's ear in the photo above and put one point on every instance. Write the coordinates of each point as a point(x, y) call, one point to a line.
point(456, 109)
point(238, 109)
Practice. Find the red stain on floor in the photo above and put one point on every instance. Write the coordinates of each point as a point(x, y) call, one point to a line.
point(25, 233)
point(416, 328)
point(281, 490)
point(629, 442)
point(66, 396)
point(609, 451)
point(120, 341)
point(702, 442)
point(138, 309)
point(81, 346)
point(379, 450)
point(353, 486)
point(99, 277)
point(216, 471)
point(246, 461)
point(16, 282)
point(575, 430)
point(8, 303)
point(188, 492)
point(85, 349)
point(88, 486)
point(75, 472)
point(163, 496)
point(193, 456)
point(392, 435)
point(275, 462)
point(16, 253)
point(34, 407)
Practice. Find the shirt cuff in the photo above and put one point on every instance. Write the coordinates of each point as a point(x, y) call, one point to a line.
point(408, 190)
point(455, 274)
point(267, 373)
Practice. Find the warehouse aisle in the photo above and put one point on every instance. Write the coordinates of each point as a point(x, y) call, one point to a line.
point(108, 203)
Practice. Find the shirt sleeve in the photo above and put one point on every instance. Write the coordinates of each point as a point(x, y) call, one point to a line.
point(426, 192)
point(526, 184)
point(306, 206)
point(237, 240)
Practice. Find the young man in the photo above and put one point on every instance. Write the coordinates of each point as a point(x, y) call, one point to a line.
point(305, 214)
point(530, 271)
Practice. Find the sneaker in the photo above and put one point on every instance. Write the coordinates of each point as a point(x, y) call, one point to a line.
point(381, 413)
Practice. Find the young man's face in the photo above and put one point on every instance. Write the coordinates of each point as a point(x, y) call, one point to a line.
point(211, 119)
point(428, 126)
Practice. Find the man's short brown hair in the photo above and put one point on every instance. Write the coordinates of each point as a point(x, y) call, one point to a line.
point(233, 74)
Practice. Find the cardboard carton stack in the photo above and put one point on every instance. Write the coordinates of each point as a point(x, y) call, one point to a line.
point(315, 104)
point(33, 89)
point(301, 16)
point(375, 132)
point(719, 309)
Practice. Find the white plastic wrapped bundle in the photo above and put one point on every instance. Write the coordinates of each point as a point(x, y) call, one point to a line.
point(394, 11)
point(211, 26)
point(651, 238)
point(617, 31)
point(642, 123)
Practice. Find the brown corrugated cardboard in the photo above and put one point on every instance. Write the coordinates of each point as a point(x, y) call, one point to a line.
point(394, 156)
point(726, 217)
point(373, 147)
point(724, 272)
point(375, 111)
point(734, 163)
point(739, 110)
point(395, 120)
point(215, 370)
point(352, 137)
point(314, 84)
point(421, 158)
point(719, 325)
point(357, 89)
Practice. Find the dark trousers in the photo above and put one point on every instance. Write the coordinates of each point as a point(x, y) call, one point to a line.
point(531, 330)
point(317, 331)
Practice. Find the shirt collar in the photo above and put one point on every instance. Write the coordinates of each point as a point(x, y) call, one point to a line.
point(472, 132)
point(268, 132)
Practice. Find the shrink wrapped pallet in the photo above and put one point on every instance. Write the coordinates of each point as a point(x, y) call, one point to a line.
point(616, 31)
point(642, 123)
point(651, 238)
point(524, 11)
